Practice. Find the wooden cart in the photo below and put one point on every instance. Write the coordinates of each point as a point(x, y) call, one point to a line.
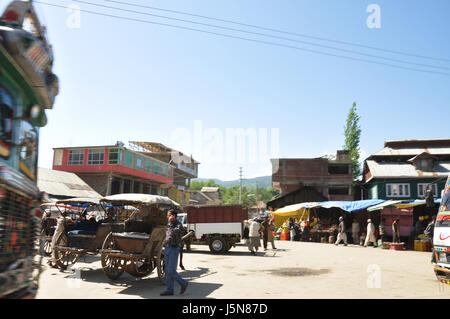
point(75, 239)
point(139, 249)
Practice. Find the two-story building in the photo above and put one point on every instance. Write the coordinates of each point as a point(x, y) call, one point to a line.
point(115, 169)
point(331, 179)
point(404, 169)
point(184, 167)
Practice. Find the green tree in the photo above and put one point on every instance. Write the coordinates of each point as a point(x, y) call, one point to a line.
point(352, 135)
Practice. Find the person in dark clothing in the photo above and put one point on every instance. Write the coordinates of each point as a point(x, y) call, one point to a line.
point(429, 232)
point(172, 245)
point(265, 231)
point(396, 231)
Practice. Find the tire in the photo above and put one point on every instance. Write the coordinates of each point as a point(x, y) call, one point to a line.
point(218, 245)
point(63, 259)
point(110, 266)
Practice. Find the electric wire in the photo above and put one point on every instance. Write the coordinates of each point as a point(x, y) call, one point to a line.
point(267, 35)
point(281, 31)
point(248, 39)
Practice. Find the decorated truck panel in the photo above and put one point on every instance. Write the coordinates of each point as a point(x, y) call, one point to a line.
point(27, 87)
point(441, 238)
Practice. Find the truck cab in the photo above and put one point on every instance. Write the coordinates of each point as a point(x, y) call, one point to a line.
point(441, 238)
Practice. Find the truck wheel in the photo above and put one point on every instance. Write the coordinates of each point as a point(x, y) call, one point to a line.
point(218, 245)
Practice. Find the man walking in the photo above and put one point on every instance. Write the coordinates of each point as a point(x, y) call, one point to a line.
point(265, 231)
point(172, 246)
point(254, 240)
point(341, 232)
point(370, 237)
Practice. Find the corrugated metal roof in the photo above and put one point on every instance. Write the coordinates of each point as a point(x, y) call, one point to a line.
point(413, 151)
point(59, 183)
point(392, 170)
point(209, 189)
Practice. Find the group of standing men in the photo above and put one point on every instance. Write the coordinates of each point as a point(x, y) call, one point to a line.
point(257, 230)
point(370, 232)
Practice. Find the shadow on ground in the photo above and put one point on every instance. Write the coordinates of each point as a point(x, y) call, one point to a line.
point(151, 286)
point(294, 272)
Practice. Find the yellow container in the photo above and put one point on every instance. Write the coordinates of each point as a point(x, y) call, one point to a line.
point(417, 245)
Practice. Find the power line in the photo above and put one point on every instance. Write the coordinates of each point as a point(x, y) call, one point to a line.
point(282, 31)
point(248, 39)
point(266, 35)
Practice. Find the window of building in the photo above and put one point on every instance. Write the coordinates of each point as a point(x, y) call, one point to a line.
point(156, 167)
point(148, 165)
point(397, 190)
point(96, 156)
point(128, 159)
point(338, 190)
point(58, 157)
point(76, 157)
point(164, 170)
point(139, 162)
point(115, 156)
point(340, 169)
point(422, 189)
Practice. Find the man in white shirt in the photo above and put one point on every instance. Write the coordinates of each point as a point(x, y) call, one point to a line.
point(370, 237)
point(254, 240)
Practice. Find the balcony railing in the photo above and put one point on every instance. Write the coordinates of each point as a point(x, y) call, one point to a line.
point(187, 169)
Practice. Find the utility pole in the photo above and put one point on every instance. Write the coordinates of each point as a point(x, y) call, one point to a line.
point(240, 185)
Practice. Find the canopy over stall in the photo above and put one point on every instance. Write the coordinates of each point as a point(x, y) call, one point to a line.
point(301, 211)
point(298, 211)
point(142, 199)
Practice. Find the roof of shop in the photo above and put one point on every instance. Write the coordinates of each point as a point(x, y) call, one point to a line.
point(399, 170)
point(59, 183)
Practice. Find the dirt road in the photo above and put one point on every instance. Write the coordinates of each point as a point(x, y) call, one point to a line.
point(294, 270)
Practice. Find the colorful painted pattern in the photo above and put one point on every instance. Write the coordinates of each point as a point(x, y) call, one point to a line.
point(442, 249)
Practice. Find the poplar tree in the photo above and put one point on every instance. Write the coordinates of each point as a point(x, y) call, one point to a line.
point(352, 134)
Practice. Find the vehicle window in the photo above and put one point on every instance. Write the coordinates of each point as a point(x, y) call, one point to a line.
point(6, 122)
point(28, 149)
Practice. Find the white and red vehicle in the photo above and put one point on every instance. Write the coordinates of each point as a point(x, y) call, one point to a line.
point(220, 227)
point(441, 238)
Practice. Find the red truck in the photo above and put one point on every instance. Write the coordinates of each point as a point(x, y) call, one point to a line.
point(220, 227)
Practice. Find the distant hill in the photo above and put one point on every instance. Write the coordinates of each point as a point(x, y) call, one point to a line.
point(262, 181)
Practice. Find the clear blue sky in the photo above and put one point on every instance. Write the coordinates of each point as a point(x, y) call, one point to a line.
point(123, 80)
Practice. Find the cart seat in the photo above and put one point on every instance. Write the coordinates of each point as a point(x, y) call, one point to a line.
point(134, 235)
point(82, 232)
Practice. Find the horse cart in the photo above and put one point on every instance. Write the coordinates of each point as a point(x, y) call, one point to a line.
point(81, 231)
point(139, 249)
point(50, 215)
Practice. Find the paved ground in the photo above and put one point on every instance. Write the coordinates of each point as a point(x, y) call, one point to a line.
point(294, 270)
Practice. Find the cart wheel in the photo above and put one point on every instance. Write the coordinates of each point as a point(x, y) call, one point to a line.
point(47, 247)
point(161, 266)
point(41, 241)
point(142, 268)
point(63, 258)
point(110, 265)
